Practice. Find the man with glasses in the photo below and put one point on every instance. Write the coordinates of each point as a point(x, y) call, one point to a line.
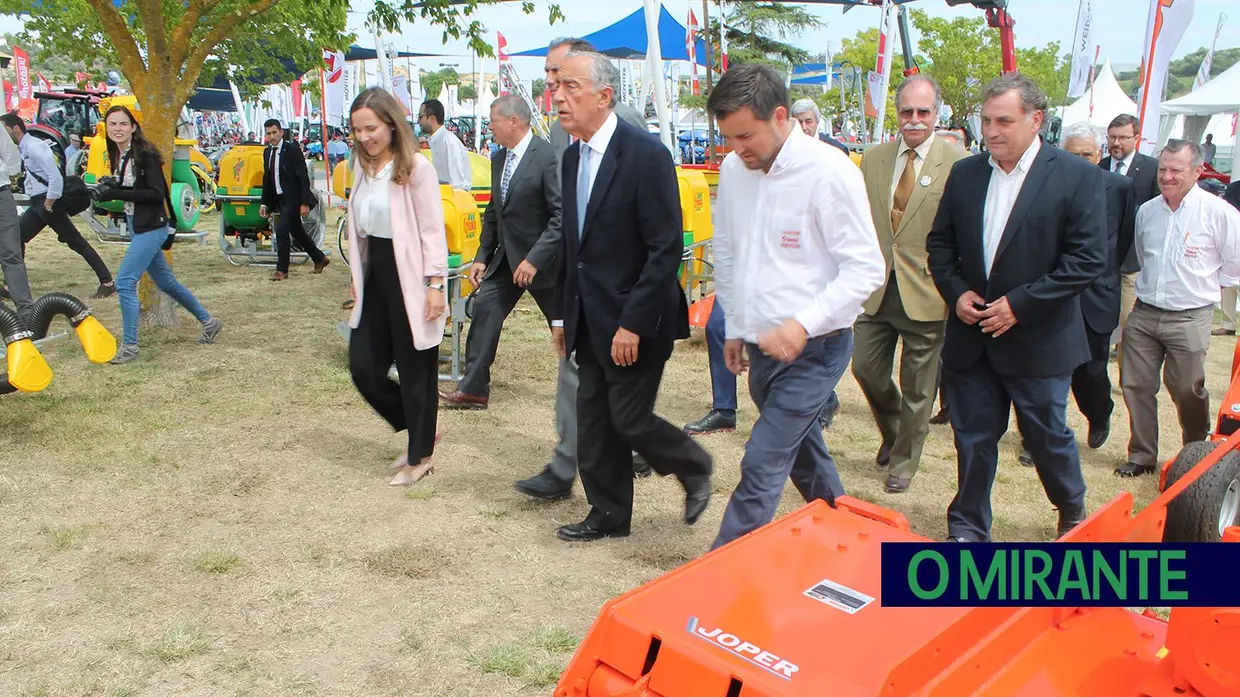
point(1123, 135)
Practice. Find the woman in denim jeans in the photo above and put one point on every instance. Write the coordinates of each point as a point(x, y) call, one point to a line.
point(138, 180)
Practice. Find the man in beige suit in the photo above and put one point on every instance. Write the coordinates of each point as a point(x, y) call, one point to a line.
point(904, 179)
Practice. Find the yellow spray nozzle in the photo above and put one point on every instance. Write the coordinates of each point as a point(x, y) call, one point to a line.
point(98, 342)
point(28, 371)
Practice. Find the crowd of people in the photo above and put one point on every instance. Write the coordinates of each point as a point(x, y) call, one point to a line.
point(1006, 278)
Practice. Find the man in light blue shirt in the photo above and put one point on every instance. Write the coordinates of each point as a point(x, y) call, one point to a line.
point(44, 185)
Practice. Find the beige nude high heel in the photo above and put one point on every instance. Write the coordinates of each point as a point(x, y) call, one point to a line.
point(412, 474)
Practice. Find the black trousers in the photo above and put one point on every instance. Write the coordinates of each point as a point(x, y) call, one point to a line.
point(982, 401)
point(37, 217)
point(496, 298)
point(382, 337)
point(288, 225)
point(1091, 383)
point(615, 417)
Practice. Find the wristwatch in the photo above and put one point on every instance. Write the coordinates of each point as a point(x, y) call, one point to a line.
point(435, 286)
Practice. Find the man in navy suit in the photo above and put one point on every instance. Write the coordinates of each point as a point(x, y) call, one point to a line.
point(621, 307)
point(1020, 234)
point(1123, 136)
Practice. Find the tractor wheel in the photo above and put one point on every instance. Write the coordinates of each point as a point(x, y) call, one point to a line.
point(185, 207)
point(1212, 503)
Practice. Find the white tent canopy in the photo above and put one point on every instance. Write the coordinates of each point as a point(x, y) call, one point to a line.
point(1220, 95)
point(1109, 101)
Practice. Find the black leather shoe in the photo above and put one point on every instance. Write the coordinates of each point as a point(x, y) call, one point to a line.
point(1069, 519)
point(1098, 435)
point(827, 416)
point(641, 468)
point(714, 422)
point(1132, 469)
point(1026, 457)
point(586, 531)
point(957, 538)
point(545, 486)
point(697, 497)
point(943, 417)
point(883, 458)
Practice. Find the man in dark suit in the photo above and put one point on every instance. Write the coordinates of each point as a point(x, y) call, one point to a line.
point(519, 249)
point(1019, 234)
point(1123, 137)
point(621, 305)
point(1100, 302)
point(286, 192)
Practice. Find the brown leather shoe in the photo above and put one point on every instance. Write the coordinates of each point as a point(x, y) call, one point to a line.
point(898, 485)
point(279, 276)
point(320, 265)
point(460, 400)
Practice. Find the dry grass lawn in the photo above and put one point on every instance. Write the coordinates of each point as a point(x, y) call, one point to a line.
point(216, 520)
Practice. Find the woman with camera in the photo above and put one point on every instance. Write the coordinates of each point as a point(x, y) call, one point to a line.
point(398, 256)
point(138, 180)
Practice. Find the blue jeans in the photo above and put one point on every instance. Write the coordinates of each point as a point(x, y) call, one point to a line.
point(144, 256)
point(787, 441)
point(723, 381)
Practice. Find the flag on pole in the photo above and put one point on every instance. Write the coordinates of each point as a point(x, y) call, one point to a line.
point(44, 84)
point(1083, 45)
point(691, 46)
point(723, 40)
point(1168, 20)
point(1203, 74)
point(335, 87)
point(26, 105)
point(297, 100)
point(501, 51)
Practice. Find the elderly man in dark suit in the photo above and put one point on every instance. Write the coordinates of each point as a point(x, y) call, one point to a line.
point(1020, 234)
point(622, 307)
point(286, 191)
point(520, 244)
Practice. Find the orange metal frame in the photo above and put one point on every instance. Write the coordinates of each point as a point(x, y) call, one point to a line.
point(740, 622)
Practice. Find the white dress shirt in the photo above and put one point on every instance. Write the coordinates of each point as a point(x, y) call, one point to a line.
point(275, 168)
point(374, 210)
point(797, 242)
point(598, 147)
point(1001, 197)
point(515, 155)
point(902, 158)
point(451, 159)
point(10, 159)
point(1186, 254)
point(1126, 162)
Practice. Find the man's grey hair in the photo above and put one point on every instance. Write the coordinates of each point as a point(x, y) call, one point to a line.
point(511, 105)
point(1176, 145)
point(914, 79)
point(1032, 98)
point(573, 43)
point(1085, 129)
point(802, 106)
point(603, 73)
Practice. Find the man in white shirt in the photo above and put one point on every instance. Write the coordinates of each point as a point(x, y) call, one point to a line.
point(448, 153)
point(12, 260)
point(796, 255)
point(1187, 241)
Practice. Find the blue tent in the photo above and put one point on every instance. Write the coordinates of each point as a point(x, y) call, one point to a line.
point(626, 39)
point(207, 99)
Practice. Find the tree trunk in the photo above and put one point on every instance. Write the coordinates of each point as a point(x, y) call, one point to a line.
point(158, 309)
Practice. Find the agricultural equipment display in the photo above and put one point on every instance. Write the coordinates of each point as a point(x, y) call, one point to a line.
point(245, 237)
point(796, 608)
point(25, 368)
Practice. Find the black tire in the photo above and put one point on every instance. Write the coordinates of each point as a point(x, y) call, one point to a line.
point(1197, 514)
point(342, 233)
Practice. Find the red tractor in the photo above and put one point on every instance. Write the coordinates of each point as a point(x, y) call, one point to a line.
point(72, 112)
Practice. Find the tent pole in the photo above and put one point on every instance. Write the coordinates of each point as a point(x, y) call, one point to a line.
point(710, 119)
point(654, 56)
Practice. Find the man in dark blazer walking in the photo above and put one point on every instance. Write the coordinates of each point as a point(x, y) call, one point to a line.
point(1123, 136)
point(621, 305)
point(520, 245)
point(1100, 302)
point(286, 192)
point(1019, 234)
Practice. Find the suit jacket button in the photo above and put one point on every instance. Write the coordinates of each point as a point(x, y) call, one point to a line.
point(581, 265)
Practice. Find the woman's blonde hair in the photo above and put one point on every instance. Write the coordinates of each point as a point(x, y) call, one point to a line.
point(403, 147)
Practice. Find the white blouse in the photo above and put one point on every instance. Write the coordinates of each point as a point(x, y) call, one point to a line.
point(373, 208)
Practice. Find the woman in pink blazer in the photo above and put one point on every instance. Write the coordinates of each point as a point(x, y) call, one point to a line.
point(398, 257)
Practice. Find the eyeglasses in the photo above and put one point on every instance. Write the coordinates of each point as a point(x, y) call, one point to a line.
point(1120, 139)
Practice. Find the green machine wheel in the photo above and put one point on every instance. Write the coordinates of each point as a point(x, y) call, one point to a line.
point(184, 206)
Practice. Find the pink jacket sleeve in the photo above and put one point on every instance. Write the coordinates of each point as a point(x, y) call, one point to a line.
point(428, 209)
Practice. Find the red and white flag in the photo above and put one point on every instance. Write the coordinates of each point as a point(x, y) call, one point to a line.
point(723, 40)
point(24, 88)
point(691, 47)
point(44, 84)
point(501, 51)
point(1168, 20)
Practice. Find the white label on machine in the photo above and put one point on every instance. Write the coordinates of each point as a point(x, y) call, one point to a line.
point(839, 597)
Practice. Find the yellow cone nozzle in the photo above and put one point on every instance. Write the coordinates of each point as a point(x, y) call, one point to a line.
point(28, 371)
point(98, 342)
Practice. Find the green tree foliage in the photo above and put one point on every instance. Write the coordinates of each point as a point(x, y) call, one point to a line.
point(54, 67)
point(757, 33)
point(962, 54)
point(1182, 71)
point(433, 82)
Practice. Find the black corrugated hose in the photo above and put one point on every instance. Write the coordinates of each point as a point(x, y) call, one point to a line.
point(38, 323)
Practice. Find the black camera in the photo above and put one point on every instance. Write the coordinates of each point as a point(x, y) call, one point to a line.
point(105, 182)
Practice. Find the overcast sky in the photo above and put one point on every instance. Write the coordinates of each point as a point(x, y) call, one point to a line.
point(1121, 26)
